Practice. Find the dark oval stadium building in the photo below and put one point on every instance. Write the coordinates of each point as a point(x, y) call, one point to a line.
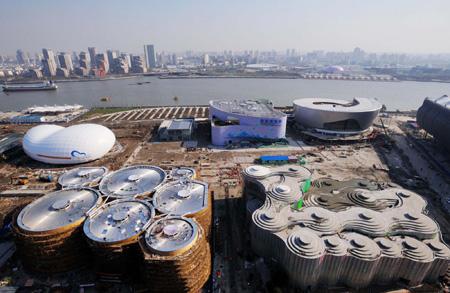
point(434, 117)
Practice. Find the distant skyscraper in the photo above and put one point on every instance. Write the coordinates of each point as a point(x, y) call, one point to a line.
point(111, 56)
point(92, 55)
point(85, 60)
point(102, 63)
point(62, 72)
point(75, 58)
point(49, 62)
point(137, 64)
point(48, 53)
point(206, 59)
point(120, 65)
point(150, 56)
point(22, 58)
point(174, 59)
point(127, 58)
point(65, 61)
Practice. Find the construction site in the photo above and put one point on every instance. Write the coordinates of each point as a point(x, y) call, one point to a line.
point(204, 240)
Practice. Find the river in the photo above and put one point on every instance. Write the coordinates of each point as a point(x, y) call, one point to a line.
point(126, 92)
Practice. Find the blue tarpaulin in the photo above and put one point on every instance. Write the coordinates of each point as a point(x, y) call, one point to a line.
point(273, 158)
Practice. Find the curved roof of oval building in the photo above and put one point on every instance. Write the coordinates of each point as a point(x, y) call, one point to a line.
point(337, 105)
point(75, 144)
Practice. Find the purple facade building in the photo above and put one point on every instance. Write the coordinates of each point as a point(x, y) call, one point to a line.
point(237, 120)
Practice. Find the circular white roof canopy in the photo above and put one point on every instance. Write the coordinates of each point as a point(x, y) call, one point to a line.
point(170, 235)
point(182, 172)
point(118, 220)
point(58, 209)
point(82, 176)
point(132, 181)
point(75, 144)
point(181, 198)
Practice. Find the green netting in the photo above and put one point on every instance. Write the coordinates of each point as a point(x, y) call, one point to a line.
point(306, 186)
point(299, 204)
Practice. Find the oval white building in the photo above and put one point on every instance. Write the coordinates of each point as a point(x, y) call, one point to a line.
point(333, 115)
point(76, 144)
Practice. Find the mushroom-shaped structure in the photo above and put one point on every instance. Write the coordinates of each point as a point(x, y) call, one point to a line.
point(113, 232)
point(390, 261)
point(441, 259)
point(360, 269)
point(54, 144)
point(182, 173)
point(82, 176)
point(48, 230)
point(304, 252)
point(417, 260)
point(132, 181)
point(334, 260)
point(176, 255)
point(185, 198)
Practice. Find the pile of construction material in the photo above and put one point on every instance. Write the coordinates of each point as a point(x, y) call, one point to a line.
point(355, 233)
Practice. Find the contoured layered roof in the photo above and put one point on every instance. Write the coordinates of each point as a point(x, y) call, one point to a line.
point(354, 233)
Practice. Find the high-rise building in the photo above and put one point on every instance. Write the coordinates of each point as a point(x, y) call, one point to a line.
point(111, 56)
point(174, 59)
point(93, 55)
point(206, 59)
point(48, 54)
point(150, 56)
point(62, 72)
point(85, 60)
point(49, 62)
point(75, 58)
point(22, 58)
point(65, 61)
point(137, 64)
point(127, 58)
point(101, 62)
point(120, 65)
point(38, 57)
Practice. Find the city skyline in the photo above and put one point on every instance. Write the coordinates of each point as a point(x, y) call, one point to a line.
point(384, 26)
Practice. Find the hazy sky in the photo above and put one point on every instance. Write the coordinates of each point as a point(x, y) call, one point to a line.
point(412, 26)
